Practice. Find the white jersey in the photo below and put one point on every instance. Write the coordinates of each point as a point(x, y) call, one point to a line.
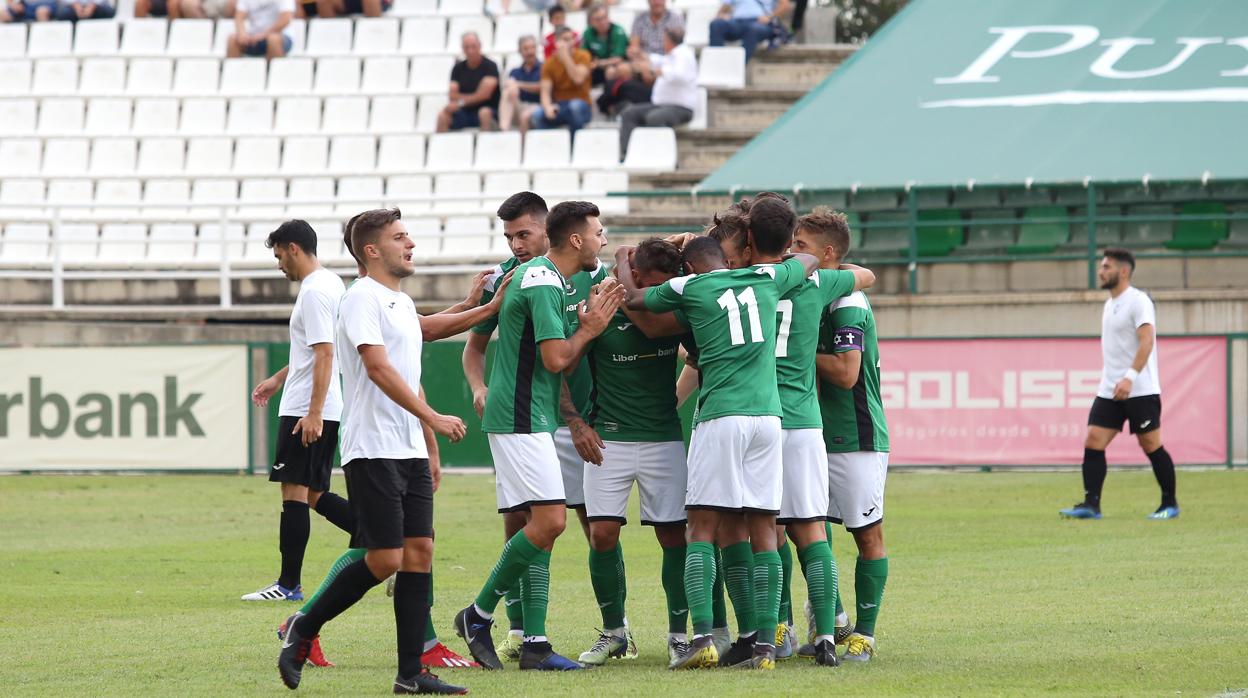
point(1122, 316)
point(312, 323)
point(373, 425)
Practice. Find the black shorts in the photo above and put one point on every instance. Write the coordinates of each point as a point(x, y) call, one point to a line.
point(296, 464)
point(391, 499)
point(1143, 413)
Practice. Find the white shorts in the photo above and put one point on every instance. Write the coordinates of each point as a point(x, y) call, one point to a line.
point(735, 465)
point(805, 496)
point(856, 488)
point(526, 470)
point(659, 470)
point(572, 467)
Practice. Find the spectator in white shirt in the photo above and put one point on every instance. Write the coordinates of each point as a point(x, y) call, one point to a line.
point(259, 28)
point(675, 93)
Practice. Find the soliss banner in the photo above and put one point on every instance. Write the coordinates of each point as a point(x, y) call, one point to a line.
point(1026, 401)
point(121, 408)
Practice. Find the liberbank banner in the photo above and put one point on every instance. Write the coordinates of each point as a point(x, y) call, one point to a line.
point(964, 92)
point(122, 408)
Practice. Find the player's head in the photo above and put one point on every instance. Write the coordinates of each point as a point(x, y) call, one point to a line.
point(743, 206)
point(702, 255)
point(823, 233)
point(524, 225)
point(294, 248)
point(1116, 268)
point(656, 261)
point(772, 220)
point(731, 229)
point(361, 270)
point(380, 240)
point(574, 225)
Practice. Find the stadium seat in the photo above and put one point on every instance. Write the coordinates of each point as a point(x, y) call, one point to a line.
point(451, 8)
point(1199, 235)
point(17, 194)
point(161, 156)
point(890, 240)
point(20, 157)
point(290, 76)
point(165, 191)
point(145, 37)
point(431, 75)
point(414, 8)
point(19, 116)
point(1237, 230)
point(25, 243)
point(316, 195)
point(13, 40)
point(210, 156)
point(457, 193)
point(198, 76)
point(376, 36)
point(401, 153)
point(250, 115)
point(556, 186)
point(577, 21)
point(361, 193)
point(1042, 238)
point(171, 243)
point(597, 184)
point(103, 77)
point(330, 247)
point(329, 37)
point(450, 152)
point(345, 115)
point(254, 251)
point(257, 155)
point(297, 116)
point(596, 148)
point(266, 189)
point(96, 39)
point(427, 236)
point(305, 155)
point(245, 78)
point(49, 39)
point(211, 194)
point(419, 187)
point(122, 243)
point(976, 198)
point(297, 30)
point(698, 26)
point(353, 155)
point(58, 76)
point(1107, 233)
point(203, 116)
point(497, 151)
point(71, 191)
point(466, 237)
point(149, 76)
point(395, 114)
point(547, 149)
point(385, 75)
point(208, 245)
point(111, 194)
point(722, 66)
point(980, 237)
point(423, 35)
point(65, 157)
point(156, 116)
point(701, 114)
point(79, 242)
point(191, 37)
point(509, 29)
point(651, 150)
point(15, 75)
point(464, 23)
point(427, 112)
point(337, 76)
point(938, 241)
point(500, 185)
point(1148, 233)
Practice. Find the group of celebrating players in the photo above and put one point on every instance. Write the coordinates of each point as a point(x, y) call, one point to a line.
point(581, 401)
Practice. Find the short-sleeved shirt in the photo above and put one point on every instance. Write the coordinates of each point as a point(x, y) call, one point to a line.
point(549, 45)
point(797, 338)
point(733, 317)
point(469, 79)
point(751, 9)
point(373, 425)
point(523, 397)
point(650, 33)
point(562, 87)
point(853, 420)
point(312, 323)
point(1119, 321)
point(262, 14)
point(613, 45)
point(492, 281)
point(635, 377)
point(580, 381)
point(533, 75)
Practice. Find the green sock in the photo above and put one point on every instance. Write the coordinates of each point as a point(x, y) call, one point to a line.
point(674, 589)
point(719, 604)
point(350, 556)
point(515, 609)
point(766, 595)
point(535, 594)
point(869, 579)
point(699, 577)
point(819, 567)
point(738, 567)
point(605, 576)
point(623, 580)
point(517, 555)
point(786, 582)
point(827, 527)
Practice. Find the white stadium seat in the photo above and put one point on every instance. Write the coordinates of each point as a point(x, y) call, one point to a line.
point(422, 35)
point(210, 156)
point(18, 116)
point(329, 37)
point(596, 148)
point(241, 78)
point(103, 76)
point(431, 75)
point(337, 76)
point(171, 243)
point(26, 243)
point(20, 157)
point(366, 192)
point(80, 242)
point(497, 151)
point(353, 155)
point(111, 157)
point(510, 28)
point(330, 247)
point(376, 36)
point(71, 191)
point(261, 190)
point(317, 193)
point(211, 193)
point(722, 66)
point(108, 116)
point(500, 185)
point(203, 116)
point(702, 113)
point(166, 191)
point(149, 76)
point(191, 37)
point(13, 40)
point(651, 150)
point(427, 113)
point(698, 26)
point(416, 186)
point(466, 237)
point(254, 250)
point(556, 186)
point(596, 184)
point(250, 115)
point(225, 27)
point(15, 75)
point(56, 76)
point(161, 156)
point(122, 242)
point(297, 115)
point(257, 155)
point(457, 193)
point(463, 24)
point(144, 37)
point(290, 76)
point(208, 247)
point(547, 149)
point(197, 76)
point(156, 116)
point(65, 157)
point(297, 30)
point(61, 116)
point(461, 7)
point(385, 75)
point(15, 194)
point(401, 153)
point(96, 39)
point(392, 114)
point(50, 39)
point(305, 155)
point(450, 152)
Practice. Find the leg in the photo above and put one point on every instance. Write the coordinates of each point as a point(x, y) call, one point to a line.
point(294, 533)
point(372, 8)
point(486, 116)
point(273, 46)
point(192, 9)
point(668, 115)
point(233, 46)
point(819, 569)
point(631, 118)
point(326, 8)
point(142, 8)
point(786, 575)
point(1094, 466)
point(723, 30)
point(104, 11)
point(767, 572)
point(527, 113)
point(571, 465)
point(753, 34)
point(672, 540)
point(412, 587)
point(870, 575)
point(513, 522)
point(700, 567)
point(1163, 470)
point(508, 105)
point(734, 541)
point(577, 112)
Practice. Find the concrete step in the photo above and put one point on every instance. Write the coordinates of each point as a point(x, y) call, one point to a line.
point(796, 66)
point(682, 180)
point(750, 109)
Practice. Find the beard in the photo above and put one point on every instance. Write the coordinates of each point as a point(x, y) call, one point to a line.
point(1107, 285)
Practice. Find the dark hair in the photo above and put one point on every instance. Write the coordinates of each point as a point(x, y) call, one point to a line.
point(730, 226)
point(743, 206)
point(524, 203)
point(1121, 255)
point(658, 255)
point(346, 237)
point(771, 225)
point(563, 30)
point(565, 218)
point(556, 9)
point(293, 232)
point(368, 226)
point(676, 34)
point(832, 225)
point(703, 249)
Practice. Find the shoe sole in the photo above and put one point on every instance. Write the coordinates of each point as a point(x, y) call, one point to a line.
point(462, 631)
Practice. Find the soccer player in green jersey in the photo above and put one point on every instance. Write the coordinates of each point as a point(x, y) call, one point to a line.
point(536, 347)
point(854, 430)
point(735, 455)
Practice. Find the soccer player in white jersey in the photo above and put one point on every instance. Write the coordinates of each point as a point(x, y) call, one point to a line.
point(310, 408)
point(1130, 389)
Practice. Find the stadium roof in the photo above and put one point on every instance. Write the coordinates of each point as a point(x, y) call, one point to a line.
point(1010, 92)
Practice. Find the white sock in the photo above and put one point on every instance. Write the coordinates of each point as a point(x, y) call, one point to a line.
point(616, 632)
point(481, 612)
point(829, 638)
point(842, 619)
point(535, 638)
point(517, 633)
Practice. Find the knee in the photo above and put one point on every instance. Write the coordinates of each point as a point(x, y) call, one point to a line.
point(385, 562)
point(485, 114)
point(417, 555)
point(603, 538)
point(670, 536)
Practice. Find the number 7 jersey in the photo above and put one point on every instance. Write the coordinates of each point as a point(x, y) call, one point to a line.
point(733, 317)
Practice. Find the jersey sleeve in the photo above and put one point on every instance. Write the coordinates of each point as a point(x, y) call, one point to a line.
point(664, 297)
point(361, 320)
point(842, 330)
point(545, 307)
point(1143, 312)
point(834, 284)
point(318, 310)
point(789, 275)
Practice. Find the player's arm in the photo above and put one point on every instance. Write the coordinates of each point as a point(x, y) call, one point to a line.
point(446, 324)
point(686, 383)
point(268, 387)
point(312, 425)
point(474, 368)
point(1146, 335)
point(475, 292)
point(863, 277)
point(431, 445)
point(840, 369)
point(562, 355)
point(809, 262)
point(383, 374)
point(588, 444)
point(839, 358)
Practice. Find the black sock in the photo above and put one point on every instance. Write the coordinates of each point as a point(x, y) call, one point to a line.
point(1163, 470)
point(411, 617)
point(337, 511)
point(351, 584)
point(1094, 469)
point(293, 541)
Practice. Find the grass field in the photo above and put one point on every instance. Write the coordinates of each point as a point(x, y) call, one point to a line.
point(129, 586)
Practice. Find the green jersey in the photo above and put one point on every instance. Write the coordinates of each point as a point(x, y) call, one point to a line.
point(580, 381)
point(523, 397)
point(635, 377)
point(733, 317)
point(797, 338)
point(491, 284)
point(853, 420)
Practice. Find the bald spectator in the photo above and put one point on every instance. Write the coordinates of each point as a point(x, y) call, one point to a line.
point(565, 85)
point(474, 90)
point(259, 28)
point(674, 95)
point(649, 28)
point(522, 93)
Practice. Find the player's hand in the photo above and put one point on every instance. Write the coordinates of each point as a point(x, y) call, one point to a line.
point(500, 291)
point(624, 252)
point(435, 470)
point(604, 299)
point(551, 112)
point(681, 239)
point(478, 400)
point(310, 427)
point(450, 426)
point(588, 444)
point(265, 390)
point(1122, 391)
point(473, 299)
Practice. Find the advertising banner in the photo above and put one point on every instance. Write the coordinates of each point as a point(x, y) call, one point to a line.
point(1026, 401)
point(123, 408)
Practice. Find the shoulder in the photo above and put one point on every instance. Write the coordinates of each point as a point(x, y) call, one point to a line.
point(857, 299)
point(489, 66)
point(679, 283)
point(361, 293)
point(499, 270)
point(582, 56)
point(535, 275)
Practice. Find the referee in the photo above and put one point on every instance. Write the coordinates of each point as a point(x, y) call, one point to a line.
point(1130, 389)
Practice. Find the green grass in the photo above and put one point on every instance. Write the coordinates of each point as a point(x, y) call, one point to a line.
point(129, 586)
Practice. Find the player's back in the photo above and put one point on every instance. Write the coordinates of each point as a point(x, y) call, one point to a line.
point(798, 317)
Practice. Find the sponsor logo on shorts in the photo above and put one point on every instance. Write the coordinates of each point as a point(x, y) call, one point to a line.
point(868, 512)
point(279, 466)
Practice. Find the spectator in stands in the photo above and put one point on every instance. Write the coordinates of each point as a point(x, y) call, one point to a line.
point(627, 88)
point(565, 85)
point(750, 21)
point(474, 90)
point(558, 17)
point(259, 28)
point(341, 8)
point(522, 93)
point(210, 9)
point(158, 8)
point(607, 45)
point(27, 10)
point(675, 93)
point(85, 9)
point(533, 5)
point(649, 29)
